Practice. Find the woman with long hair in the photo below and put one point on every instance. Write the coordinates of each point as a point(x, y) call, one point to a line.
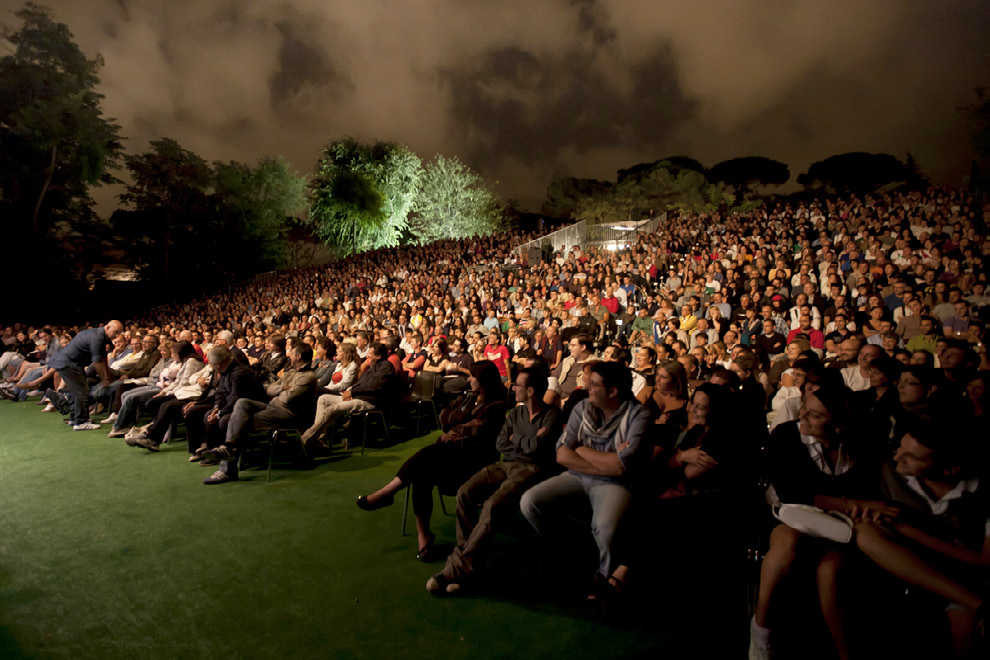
point(814, 460)
point(470, 425)
point(344, 373)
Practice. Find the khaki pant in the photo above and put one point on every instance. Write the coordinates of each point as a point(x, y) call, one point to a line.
point(496, 489)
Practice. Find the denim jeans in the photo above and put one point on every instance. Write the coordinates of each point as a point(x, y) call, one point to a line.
point(127, 416)
point(548, 504)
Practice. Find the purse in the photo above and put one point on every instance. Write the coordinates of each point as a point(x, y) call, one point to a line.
point(810, 520)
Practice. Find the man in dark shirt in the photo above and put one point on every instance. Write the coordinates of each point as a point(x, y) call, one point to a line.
point(527, 444)
point(292, 403)
point(206, 420)
point(86, 348)
point(770, 342)
point(376, 385)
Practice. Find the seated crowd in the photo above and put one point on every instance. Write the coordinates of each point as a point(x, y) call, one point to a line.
point(830, 353)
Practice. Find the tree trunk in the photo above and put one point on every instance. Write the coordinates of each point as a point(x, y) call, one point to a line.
point(44, 188)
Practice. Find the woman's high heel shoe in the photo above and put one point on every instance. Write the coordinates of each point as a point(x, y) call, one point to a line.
point(381, 503)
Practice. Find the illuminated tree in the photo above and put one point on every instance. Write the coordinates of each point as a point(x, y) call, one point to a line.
point(453, 202)
point(361, 194)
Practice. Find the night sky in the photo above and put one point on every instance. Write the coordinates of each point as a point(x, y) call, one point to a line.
point(526, 91)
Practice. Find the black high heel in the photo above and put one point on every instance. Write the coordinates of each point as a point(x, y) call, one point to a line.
point(425, 554)
point(382, 502)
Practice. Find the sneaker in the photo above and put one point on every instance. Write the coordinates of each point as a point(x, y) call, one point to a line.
point(49, 408)
point(35, 393)
point(86, 426)
point(220, 477)
point(8, 394)
point(111, 419)
point(117, 433)
point(223, 451)
point(757, 651)
point(437, 585)
point(147, 443)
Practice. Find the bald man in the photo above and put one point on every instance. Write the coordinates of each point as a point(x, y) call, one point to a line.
point(86, 348)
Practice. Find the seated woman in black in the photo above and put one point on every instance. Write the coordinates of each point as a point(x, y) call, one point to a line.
point(814, 460)
point(877, 404)
point(707, 456)
point(470, 423)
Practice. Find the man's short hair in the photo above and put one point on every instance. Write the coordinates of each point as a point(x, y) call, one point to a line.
point(615, 374)
point(584, 340)
point(227, 336)
point(536, 378)
point(305, 351)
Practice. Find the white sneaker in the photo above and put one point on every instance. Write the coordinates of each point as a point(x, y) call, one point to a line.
point(756, 651)
point(111, 419)
point(49, 408)
point(88, 426)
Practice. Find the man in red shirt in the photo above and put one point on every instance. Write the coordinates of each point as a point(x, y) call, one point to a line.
point(815, 337)
point(610, 302)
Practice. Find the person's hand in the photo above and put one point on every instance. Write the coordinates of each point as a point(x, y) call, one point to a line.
point(346, 396)
point(873, 511)
point(186, 408)
point(696, 457)
point(213, 416)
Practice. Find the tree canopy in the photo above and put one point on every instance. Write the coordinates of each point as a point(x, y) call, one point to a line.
point(55, 142)
point(854, 172)
point(744, 173)
point(361, 194)
point(194, 220)
point(453, 202)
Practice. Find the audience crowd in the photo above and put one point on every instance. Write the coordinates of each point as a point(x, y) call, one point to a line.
point(828, 353)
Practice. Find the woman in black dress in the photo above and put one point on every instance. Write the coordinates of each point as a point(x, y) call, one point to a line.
point(470, 424)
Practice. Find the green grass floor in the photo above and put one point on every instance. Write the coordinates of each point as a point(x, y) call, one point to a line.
point(108, 551)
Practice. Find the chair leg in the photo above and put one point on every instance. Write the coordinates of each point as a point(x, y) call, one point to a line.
point(419, 416)
point(364, 433)
point(436, 416)
point(405, 510)
point(271, 456)
point(443, 507)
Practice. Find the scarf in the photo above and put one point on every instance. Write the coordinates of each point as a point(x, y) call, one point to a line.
point(594, 424)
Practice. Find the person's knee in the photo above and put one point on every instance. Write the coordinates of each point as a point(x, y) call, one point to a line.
point(783, 545)
point(529, 506)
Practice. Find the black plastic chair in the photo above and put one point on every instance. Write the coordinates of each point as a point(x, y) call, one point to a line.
point(292, 437)
point(405, 507)
point(423, 388)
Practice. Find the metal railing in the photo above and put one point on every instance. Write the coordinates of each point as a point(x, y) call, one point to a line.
point(618, 234)
point(561, 239)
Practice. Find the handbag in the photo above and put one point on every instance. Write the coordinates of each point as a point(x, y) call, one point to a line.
point(832, 525)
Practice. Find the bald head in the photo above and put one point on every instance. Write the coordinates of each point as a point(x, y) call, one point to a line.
point(113, 328)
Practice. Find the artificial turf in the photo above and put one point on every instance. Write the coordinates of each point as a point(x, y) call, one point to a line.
point(110, 551)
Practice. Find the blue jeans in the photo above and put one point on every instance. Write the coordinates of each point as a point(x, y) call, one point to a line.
point(547, 504)
point(127, 416)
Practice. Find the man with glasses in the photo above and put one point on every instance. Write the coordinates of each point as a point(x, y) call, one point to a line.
point(526, 443)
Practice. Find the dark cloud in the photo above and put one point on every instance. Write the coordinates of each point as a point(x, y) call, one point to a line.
point(526, 91)
point(304, 74)
point(511, 103)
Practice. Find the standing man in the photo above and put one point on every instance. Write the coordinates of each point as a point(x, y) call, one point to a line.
point(88, 347)
point(526, 443)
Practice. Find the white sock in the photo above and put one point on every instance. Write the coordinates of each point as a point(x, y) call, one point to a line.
point(760, 635)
